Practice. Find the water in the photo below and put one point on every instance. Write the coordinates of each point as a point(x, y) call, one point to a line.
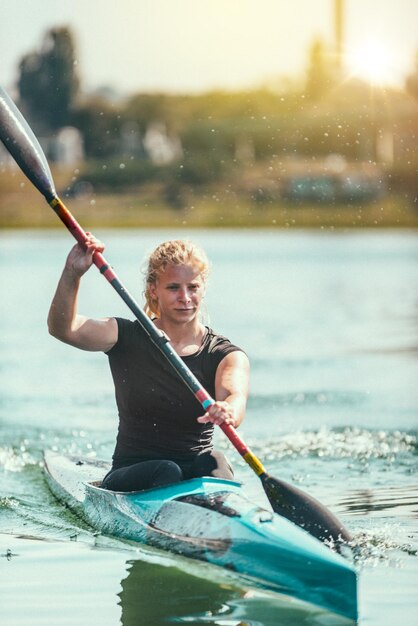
point(330, 324)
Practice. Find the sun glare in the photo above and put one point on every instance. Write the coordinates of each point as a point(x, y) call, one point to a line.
point(371, 61)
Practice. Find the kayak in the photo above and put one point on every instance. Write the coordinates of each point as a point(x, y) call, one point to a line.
point(211, 520)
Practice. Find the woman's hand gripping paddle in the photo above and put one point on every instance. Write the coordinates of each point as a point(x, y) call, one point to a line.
point(286, 500)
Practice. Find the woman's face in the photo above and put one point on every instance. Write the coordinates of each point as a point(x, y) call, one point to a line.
point(179, 291)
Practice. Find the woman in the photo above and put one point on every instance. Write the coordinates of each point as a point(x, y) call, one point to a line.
point(163, 437)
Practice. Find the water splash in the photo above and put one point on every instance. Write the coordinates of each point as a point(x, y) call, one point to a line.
point(22, 451)
point(377, 546)
point(8, 503)
point(15, 459)
point(352, 443)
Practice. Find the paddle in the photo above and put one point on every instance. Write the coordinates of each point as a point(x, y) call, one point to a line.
point(285, 499)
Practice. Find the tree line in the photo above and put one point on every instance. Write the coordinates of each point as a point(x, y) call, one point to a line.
point(218, 133)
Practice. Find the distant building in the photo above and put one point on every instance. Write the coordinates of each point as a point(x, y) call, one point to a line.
point(161, 147)
point(65, 148)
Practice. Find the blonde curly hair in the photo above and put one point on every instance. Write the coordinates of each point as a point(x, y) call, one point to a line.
point(173, 252)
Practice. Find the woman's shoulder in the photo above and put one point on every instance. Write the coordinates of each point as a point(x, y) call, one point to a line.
point(128, 331)
point(123, 322)
point(126, 326)
point(214, 342)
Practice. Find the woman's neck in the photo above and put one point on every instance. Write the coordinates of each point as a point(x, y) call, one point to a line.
point(185, 338)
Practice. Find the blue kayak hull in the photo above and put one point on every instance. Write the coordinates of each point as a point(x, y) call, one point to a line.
point(211, 520)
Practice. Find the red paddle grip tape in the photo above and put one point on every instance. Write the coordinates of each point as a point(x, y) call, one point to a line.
point(203, 395)
point(80, 235)
point(103, 266)
point(69, 221)
point(234, 438)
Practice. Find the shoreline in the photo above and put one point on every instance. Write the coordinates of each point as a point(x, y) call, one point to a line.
point(24, 208)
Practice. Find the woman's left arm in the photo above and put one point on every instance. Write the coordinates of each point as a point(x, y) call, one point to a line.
point(231, 391)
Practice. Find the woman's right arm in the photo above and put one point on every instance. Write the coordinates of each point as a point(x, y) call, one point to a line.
point(64, 322)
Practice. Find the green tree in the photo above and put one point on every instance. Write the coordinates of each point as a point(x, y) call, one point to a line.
point(48, 81)
point(100, 124)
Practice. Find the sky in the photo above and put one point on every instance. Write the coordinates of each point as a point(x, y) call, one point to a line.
point(198, 45)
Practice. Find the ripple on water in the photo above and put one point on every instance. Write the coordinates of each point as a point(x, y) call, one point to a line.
point(384, 502)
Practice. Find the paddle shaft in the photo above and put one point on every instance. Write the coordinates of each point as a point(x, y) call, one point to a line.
point(156, 336)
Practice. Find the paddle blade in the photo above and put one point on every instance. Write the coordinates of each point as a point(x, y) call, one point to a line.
point(304, 511)
point(22, 144)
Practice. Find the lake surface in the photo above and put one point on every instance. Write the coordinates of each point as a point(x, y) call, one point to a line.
point(330, 323)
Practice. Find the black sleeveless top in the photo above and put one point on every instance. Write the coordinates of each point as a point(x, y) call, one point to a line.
point(157, 412)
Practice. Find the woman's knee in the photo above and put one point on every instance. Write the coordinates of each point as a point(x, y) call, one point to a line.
point(166, 473)
point(113, 481)
point(223, 469)
point(144, 475)
point(214, 464)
